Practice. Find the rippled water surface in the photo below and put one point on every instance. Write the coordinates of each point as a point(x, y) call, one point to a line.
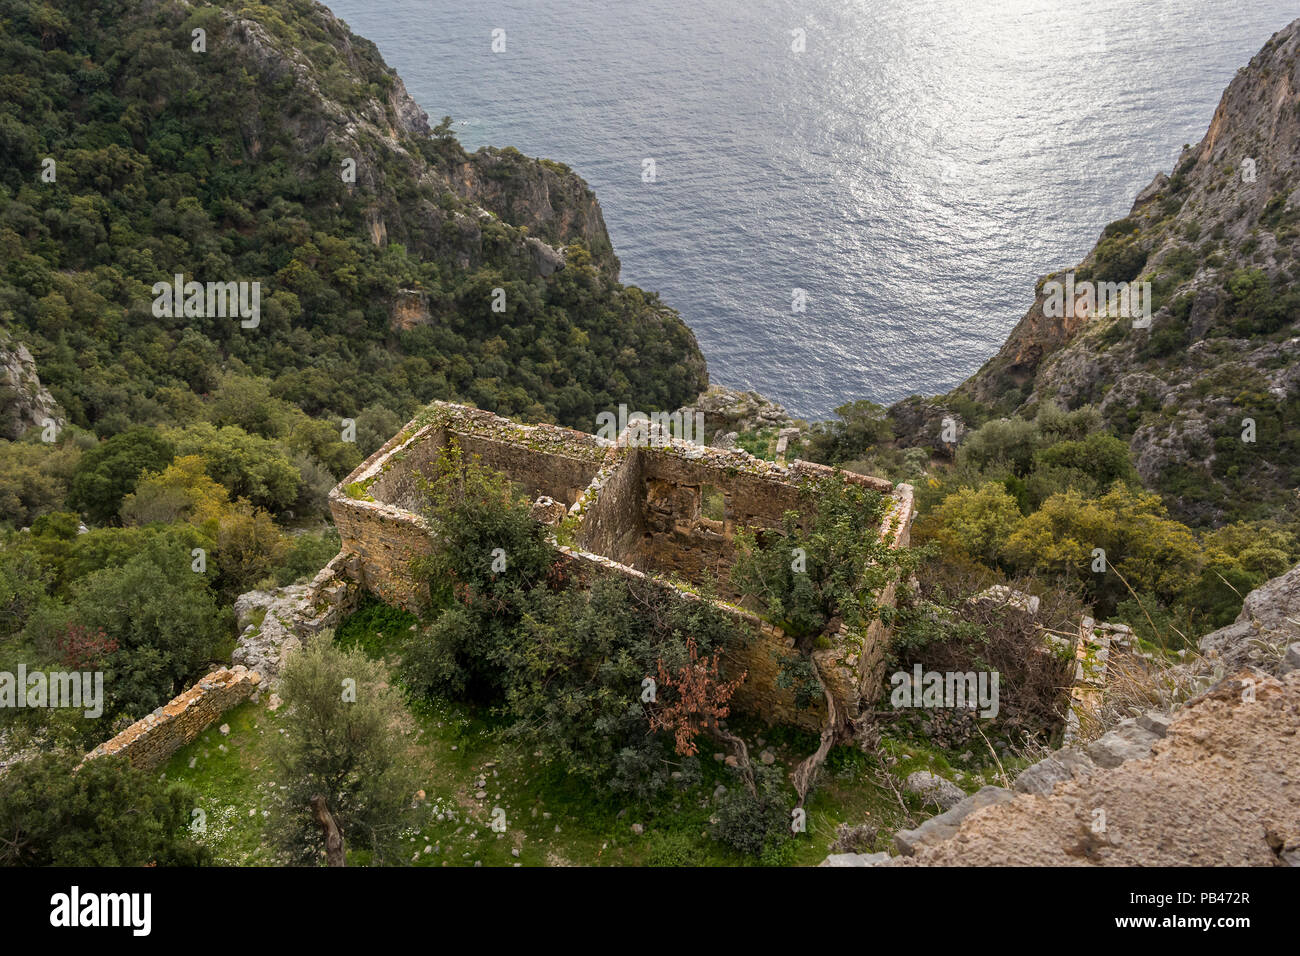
point(914, 169)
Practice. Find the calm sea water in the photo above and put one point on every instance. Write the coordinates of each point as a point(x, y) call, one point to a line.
point(914, 169)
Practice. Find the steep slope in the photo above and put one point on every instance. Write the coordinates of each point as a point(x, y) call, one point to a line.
point(1217, 790)
point(1219, 243)
point(277, 147)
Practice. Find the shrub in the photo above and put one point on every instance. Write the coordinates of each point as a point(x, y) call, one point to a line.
point(1143, 545)
point(672, 848)
point(166, 621)
point(249, 547)
point(822, 564)
point(105, 813)
point(975, 522)
point(1012, 441)
point(942, 630)
point(756, 824)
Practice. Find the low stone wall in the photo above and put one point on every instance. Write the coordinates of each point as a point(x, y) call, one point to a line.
point(334, 593)
point(149, 742)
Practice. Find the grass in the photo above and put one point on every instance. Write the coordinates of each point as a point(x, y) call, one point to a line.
point(471, 775)
point(227, 774)
point(760, 443)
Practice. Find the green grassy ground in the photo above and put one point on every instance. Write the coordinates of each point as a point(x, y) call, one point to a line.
point(467, 771)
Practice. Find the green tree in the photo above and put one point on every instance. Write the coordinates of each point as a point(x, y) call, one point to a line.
point(1144, 549)
point(105, 813)
point(248, 466)
point(862, 426)
point(342, 748)
point(975, 522)
point(249, 548)
point(109, 471)
point(167, 623)
point(824, 563)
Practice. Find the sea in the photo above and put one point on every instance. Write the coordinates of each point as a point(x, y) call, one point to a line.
point(844, 199)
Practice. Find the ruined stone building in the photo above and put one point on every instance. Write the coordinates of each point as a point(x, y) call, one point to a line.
point(645, 505)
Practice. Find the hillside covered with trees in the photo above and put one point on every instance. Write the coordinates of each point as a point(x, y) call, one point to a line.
point(253, 143)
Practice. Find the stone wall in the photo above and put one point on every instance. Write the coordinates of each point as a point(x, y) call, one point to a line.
point(561, 473)
point(149, 742)
point(681, 538)
point(385, 540)
point(612, 523)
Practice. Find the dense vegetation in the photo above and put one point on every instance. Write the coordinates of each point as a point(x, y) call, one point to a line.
point(209, 164)
point(104, 814)
point(1056, 497)
point(196, 454)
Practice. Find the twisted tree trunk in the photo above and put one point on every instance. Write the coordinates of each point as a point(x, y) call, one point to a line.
point(739, 751)
point(835, 730)
point(334, 855)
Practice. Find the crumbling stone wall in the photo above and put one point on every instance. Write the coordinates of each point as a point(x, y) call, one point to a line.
point(680, 538)
point(149, 742)
point(334, 593)
point(612, 523)
point(631, 507)
point(385, 540)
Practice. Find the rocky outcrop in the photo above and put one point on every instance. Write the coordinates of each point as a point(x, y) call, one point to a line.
point(1219, 243)
point(24, 402)
point(392, 144)
point(410, 310)
point(1131, 739)
point(944, 827)
point(1219, 788)
point(727, 412)
point(933, 789)
point(268, 628)
point(275, 623)
point(854, 859)
point(926, 423)
point(547, 198)
point(1042, 777)
point(1231, 751)
point(1260, 636)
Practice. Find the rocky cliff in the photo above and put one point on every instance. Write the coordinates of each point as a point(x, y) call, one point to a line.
point(390, 134)
point(1209, 394)
point(24, 402)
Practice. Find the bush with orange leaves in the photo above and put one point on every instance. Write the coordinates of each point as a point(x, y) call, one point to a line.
point(702, 699)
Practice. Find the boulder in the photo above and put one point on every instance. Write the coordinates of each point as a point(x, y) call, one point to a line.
point(1042, 777)
point(1266, 614)
point(944, 826)
point(1127, 741)
point(932, 788)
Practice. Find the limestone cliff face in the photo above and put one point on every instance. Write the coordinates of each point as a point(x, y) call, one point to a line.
point(392, 143)
point(547, 198)
point(24, 402)
point(1219, 243)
